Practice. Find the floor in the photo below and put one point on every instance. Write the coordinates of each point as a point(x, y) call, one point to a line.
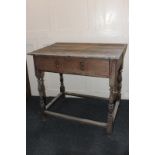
point(57, 136)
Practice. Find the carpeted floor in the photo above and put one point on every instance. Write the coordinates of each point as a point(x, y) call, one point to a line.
point(57, 136)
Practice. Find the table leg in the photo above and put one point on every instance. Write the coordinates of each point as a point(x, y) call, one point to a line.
point(41, 89)
point(113, 95)
point(119, 80)
point(62, 87)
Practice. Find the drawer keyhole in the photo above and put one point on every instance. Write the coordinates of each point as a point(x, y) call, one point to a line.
point(82, 66)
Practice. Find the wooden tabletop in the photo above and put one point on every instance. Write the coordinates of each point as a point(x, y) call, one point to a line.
point(84, 50)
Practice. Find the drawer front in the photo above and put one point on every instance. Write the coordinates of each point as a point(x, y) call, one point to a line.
point(80, 66)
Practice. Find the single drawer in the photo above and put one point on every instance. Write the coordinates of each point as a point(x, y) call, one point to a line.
point(72, 65)
point(49, 64)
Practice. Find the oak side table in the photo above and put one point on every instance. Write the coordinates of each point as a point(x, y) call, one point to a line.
point(88, 59)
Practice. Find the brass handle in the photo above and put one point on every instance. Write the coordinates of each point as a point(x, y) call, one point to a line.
point(82, 66)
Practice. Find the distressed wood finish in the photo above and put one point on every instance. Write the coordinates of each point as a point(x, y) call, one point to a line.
point(83, 50)
point(68, 65)
point(88, 59)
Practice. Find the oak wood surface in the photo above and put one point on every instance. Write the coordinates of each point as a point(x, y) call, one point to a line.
point(84, 50)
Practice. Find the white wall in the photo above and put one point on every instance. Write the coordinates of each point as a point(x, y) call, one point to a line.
point(50, 21)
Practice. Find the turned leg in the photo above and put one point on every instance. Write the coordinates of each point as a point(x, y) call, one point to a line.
point(110, 109)
point(119, 85)
point(113, 95)
point(62, 87)
point(41, 89)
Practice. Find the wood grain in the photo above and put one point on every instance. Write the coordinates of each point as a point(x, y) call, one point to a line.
point(83, 50)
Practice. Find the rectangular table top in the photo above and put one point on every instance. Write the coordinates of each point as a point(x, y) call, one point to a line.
point(84, 50)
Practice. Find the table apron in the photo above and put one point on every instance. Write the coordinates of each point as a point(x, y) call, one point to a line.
point(67, 65)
